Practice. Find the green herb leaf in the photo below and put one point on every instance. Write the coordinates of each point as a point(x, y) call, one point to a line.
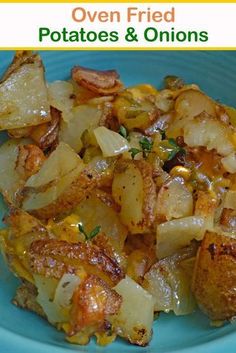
point(92, 234)
point(172, 142)
point(134, 151)
point(172, 154)
point(176, 149)
point(146, 144)
point(123, 131)
point(81, 229)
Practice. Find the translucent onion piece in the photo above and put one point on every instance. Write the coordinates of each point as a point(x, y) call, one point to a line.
point(229, 162)
point(46, 289)
point(65, 289)
point(60, 97)
point(178, 233)
point(110, 142)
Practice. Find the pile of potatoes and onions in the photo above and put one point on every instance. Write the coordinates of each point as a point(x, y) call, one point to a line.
point(121, 202)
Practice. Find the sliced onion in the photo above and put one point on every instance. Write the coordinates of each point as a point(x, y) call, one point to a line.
point(229, 162)
point(65, 289)
point(178, 233)
point(110, 142)
point(46, 288)
point(84, 117)
point(60, 97)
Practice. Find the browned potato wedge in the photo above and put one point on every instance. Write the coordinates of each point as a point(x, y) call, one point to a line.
point(93, 302)
point(61, 183)
point(53, 258)
point(214, 277)
point(26, 103)
point(73, 189)
point(18, 159)
point(29, 160)
point(102, 82)
point(46, 135)
point(23, 230)
point(133, 185)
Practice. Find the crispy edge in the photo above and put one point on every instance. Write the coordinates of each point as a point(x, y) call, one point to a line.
point(53, 258)
point(215, 276)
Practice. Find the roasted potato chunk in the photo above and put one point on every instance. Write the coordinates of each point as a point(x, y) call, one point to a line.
point(26, 103)
point(46, 135)
point(29, 160)
point(53, 258)
point(133, 185)
point(215, 276)
point(134, 320)
point(101, 82)
point(93, 302)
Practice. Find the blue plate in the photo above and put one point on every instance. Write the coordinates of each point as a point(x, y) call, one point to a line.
point(215, 72)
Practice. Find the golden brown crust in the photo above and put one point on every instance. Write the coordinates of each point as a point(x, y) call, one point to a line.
point(93, 301)
point(107, 199)
point(102, 82)
point(25, 298)
point(149, 191)
point(22, 223)
point(82, 186)
point(20, 132)
point(108, 119)
point(29, 160)
point(46, 135)
point(53, 258)
point(228, 219)
point(215, 276)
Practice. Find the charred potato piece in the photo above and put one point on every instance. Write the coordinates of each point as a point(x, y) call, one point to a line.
point(53, 258)
point(46, 135)
point(78, 189)
point(23, 230)
point(29, 161)
point(92, 303)
point(25, 298)
point(215, 276)
point(101, 82)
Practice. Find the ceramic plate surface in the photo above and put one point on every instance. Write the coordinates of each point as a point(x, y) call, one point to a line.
point(215, 72)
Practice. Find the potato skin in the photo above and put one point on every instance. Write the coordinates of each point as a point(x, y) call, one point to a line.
point(84, 184)
point(53, 258)
point(214, 280)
